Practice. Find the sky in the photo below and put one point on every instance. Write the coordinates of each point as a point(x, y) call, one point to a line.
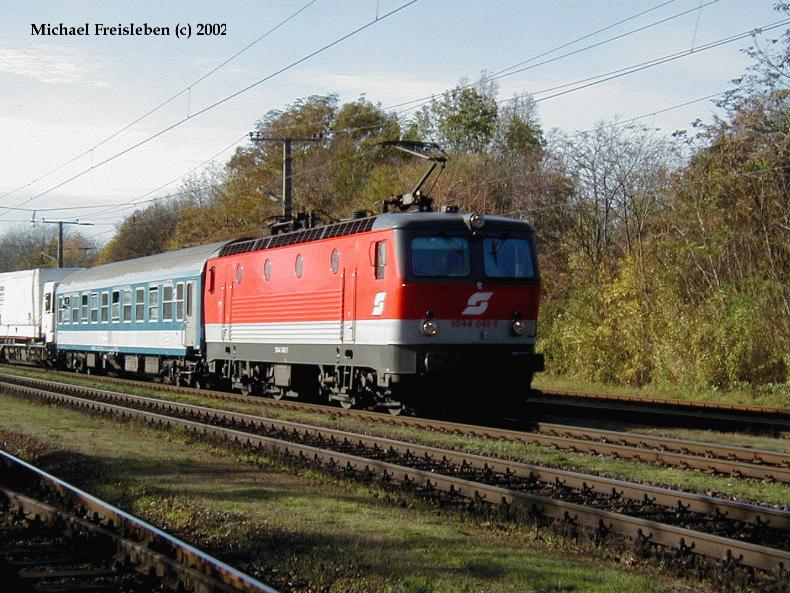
point(62, 95)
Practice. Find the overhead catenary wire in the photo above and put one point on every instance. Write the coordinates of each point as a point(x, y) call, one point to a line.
point(634, 68)
point(499, 74)
point(187, 90)
point(222, 101)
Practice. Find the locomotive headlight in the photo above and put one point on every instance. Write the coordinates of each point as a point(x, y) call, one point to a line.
point(429, 328)
point(519, 329)
point(475, 221)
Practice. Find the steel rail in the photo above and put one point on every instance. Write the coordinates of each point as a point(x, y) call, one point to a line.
point(666, 497)
point(640, 529)
point(146, 547)
point(693, 412)
point(737, 461)
point(660, 411)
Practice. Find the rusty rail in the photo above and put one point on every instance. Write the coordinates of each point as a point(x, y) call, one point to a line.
point(29, 491)
point(650, 532)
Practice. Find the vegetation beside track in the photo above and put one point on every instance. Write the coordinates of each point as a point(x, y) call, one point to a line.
point(693, 481)
point(775, 395)
point(303, 531)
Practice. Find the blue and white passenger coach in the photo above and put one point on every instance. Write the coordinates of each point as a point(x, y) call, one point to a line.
point(140, 315)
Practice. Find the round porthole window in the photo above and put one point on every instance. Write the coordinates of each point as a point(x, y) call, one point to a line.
point(335, 261)
point(267, 269)
point(239, 273)
point(299, 266)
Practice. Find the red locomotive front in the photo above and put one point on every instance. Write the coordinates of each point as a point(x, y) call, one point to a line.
point(375, 308)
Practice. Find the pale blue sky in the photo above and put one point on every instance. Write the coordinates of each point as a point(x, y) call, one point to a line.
point(61, 95)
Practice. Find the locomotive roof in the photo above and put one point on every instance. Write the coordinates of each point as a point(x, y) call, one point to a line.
point(152, 268)
point(398, 220)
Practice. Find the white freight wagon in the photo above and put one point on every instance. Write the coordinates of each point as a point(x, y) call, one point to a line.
point(27, 310)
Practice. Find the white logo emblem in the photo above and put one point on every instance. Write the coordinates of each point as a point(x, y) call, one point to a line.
point(477, 303)
point(378, 303)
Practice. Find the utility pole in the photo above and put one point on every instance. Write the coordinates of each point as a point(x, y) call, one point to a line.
point(60, 224)
point(287, 166)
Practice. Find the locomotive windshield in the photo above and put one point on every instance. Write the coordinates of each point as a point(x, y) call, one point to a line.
point(440, 257)
point(507, 258)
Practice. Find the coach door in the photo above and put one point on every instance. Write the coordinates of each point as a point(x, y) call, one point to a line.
point(188, 300)
point(349, 294)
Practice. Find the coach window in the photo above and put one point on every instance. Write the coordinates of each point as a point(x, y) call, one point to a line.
point(153, 303)
point(116, 305)
point(267, 269)
point(48, 303)
point(299, 266)
point(381, 259)
point(189, 298)
point(94, 307)
point(180, 301)
point(75, 309)
point(60, 309)
point(127, 304)
point(85, 308)
point(334, 261)
point(105, 307)
point(139, 304)
point(167, 303)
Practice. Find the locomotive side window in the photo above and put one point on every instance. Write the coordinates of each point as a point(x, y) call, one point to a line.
point(180, 301)
point(440, 257)
point(167, 303)
point(267, 269)
point(239, 273)
point(153, 303)
point(105, 307)
point(335, 261)
point(212, 272)
point(508, 258)
point(299, 266)
point(116, 305)
point(139, 304)
point(381, 259)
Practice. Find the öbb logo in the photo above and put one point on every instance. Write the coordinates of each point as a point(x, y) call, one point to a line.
point(477, 303)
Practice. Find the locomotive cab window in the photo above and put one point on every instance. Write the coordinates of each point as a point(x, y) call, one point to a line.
point(507, 258)
point(381, 259)
point(440, 257)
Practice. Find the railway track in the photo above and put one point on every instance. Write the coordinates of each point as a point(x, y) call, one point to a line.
point(661, 412)
point(641, 410)
point(742, 462)
point(57, 538)
point(683, 527)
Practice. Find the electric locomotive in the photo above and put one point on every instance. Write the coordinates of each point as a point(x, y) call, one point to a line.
point(374, 309)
